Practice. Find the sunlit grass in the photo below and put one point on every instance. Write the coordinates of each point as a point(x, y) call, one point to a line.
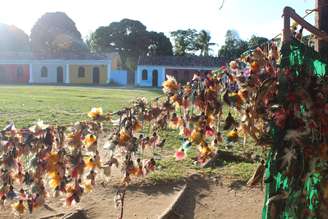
point(60, 104)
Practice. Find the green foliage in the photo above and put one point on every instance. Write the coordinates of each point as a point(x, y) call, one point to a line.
point(131, 39)
point(256, 41)
point(234, 46)
point(55, 35)
point(159, 44)
point(190, 41)
point(90, 42)
point(184, 41)
point(13, 39)
point(203, 42)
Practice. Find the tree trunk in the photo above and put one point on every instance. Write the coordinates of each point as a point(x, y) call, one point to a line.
point(321, 21)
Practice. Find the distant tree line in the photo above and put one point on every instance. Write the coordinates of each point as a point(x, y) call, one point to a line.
point(55, 35)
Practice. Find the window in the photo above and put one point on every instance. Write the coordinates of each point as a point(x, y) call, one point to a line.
point(144, 75)
point(81, 72)
point(44, 72)
point(20, 72)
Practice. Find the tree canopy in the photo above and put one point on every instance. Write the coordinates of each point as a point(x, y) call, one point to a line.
point(190, 41)
point(13, 39)
point(131, 39)
point(184, 41)
point(256, 41)
point(203, 42)
point(55, 34)
point(233, 47)
point(159, 44)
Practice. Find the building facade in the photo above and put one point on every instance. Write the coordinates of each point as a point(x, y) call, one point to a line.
point(48, 72)
point(14, 73)
point(152, 71)
point(89, 73)
point(16, 69)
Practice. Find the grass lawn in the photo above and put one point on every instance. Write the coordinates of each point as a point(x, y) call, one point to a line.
point(65, 104)
point(61, 104)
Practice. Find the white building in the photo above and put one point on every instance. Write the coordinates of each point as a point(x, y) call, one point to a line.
point(152, 70)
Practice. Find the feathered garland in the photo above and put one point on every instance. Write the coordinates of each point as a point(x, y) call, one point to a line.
point(291, 102)
point(297, 165)
point(48, 160)
point(284, 106)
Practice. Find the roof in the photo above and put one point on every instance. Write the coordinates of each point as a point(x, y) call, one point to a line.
point(112, 55)
point(181, 61)
point(16, 55)
point(33, 56)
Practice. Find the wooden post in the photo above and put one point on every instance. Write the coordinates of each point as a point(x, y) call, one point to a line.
point(321, 22)
point(286, 32)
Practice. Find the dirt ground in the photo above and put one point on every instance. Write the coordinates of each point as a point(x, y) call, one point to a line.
point(219, 198)
point(203, 199)
point(145, 203)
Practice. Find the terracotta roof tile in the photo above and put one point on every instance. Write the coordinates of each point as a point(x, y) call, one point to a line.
point(183, 61)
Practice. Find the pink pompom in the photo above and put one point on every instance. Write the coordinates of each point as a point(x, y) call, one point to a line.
point(209, 131)
point(180, 155)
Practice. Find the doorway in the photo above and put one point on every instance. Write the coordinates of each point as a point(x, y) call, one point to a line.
point(96, 75)
point(60, 75)
point(155, 78)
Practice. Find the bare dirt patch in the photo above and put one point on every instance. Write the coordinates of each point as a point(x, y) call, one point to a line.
point(218, 198)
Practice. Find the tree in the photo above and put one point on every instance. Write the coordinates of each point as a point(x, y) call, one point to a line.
point(184, 41)
point(256, 41)
point(234, 46)
point(55, 34)
point(131, 39)
point(13, 39)
point(159, 44)
point(127, 36)
point(203, 42)
point(90, 42)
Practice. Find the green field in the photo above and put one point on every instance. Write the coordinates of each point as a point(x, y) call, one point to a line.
point(61, 104)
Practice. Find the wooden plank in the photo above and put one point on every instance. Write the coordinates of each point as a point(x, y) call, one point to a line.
point(321, 21)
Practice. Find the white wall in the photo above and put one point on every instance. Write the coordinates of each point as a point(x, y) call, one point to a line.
point(52, 72)
point(150, 69)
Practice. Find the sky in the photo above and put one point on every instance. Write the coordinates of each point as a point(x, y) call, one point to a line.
point(248, 17)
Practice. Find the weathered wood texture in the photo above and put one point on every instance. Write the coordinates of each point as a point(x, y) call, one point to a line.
point(321, 21)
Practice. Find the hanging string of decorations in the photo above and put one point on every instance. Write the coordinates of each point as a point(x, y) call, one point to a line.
point(279, 96)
